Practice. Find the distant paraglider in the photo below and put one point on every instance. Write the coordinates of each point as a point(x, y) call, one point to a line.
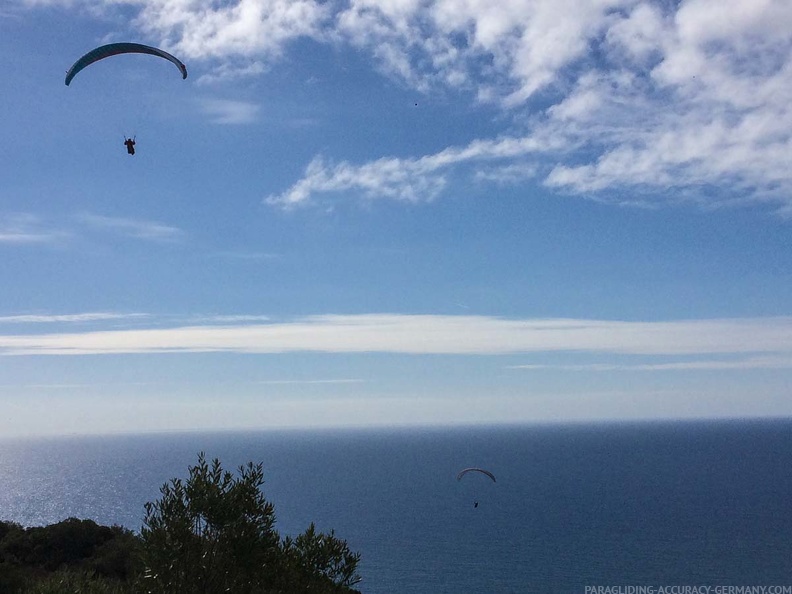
point(130, 144)
point(114, 49)
point(481, 470)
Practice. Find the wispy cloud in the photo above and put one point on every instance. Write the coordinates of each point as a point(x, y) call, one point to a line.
point(68, 318)
point(227, 111)
point(26, 228)
point(311, 381)
point(133, 228)
point(245, 255)
point(741, 363)
point(411, 180)
point(230, 319)
point(428, 334)
point(228, 72)
point(101, 385)
point(32, 229)
point(17, 387)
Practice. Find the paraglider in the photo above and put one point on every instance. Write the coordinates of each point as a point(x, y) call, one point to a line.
point(114, 49)
point(481, 470)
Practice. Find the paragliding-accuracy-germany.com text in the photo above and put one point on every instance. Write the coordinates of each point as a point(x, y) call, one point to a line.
point(688, 589)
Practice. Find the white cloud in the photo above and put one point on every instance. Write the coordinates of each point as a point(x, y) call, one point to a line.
point(401, 179)
point(228, 72)
point(231, 319)
point(411, 180)
point(428, 334)
point(742, 363)
point(227, 111)
point(219, 30)
point(245, 255)
point(705, 101)
point(311, 382)
point(516, 47)
point(57, 318)
point(685, 99)
point(638, 36)
point(25, 228)
point(134, 228)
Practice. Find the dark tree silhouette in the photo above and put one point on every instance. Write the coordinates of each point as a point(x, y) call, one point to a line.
point(215, 533)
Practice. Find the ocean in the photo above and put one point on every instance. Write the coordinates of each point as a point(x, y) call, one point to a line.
point(656, 504)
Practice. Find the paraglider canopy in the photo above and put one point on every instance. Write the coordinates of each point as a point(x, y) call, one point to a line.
point(481, 470)
point(113, 49)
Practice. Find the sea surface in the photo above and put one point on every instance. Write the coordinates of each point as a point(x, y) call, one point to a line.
point(649, 504)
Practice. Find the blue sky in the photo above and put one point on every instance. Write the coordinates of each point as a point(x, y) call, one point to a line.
point(393, 212)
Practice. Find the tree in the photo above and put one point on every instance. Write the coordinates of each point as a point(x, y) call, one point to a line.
point(71, 556)
point(320, 558)
point(215, 533)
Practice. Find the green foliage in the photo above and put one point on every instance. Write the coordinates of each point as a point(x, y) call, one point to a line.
point(321, 560)
point(212, 533)
point(71, 547)
point(118, 558)
point(9, 529)
point(215, 533)
point(72, 542)
point(75, 582)
point(12, 576)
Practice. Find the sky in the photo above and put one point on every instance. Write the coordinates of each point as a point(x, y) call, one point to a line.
point(365, 213)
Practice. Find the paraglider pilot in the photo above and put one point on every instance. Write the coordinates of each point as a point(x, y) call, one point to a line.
point(130, 144)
